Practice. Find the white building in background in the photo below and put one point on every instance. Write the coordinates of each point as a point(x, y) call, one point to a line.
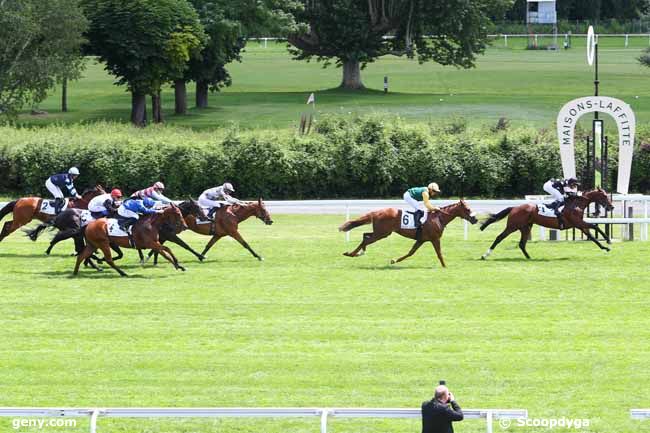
point(541, 15)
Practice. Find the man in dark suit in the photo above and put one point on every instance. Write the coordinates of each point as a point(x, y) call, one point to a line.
point(440, 412)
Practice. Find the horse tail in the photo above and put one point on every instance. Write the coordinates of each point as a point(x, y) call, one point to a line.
point(495, 217)
point(33, 234)
point(9, 207)
point(362, 220)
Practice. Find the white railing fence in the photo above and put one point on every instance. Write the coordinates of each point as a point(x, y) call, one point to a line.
point(640, 203)
point(641, 414)
point(322, 413)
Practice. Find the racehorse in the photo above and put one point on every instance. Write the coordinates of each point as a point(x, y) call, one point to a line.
point(145, 236)
point(523, 217)
point(386, 221)
point(226, 222)
point(26, 209)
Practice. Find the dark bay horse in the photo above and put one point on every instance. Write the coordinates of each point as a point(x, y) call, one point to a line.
point(145, 236)
point(226, 223)
point(386, 221)
point(26, 209)
point(523, 217)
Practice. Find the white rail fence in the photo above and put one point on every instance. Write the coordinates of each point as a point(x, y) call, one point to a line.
point(322, 413)
point(641, 414)
point(638, 202)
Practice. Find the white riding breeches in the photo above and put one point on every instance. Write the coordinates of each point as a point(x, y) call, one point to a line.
point(53, 189)
point(416, 205)
point(124, 212)
point(557, 195)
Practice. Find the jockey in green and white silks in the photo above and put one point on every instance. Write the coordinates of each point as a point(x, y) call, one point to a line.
point(422, 194)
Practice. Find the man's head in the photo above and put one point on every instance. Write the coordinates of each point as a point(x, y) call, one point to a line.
point(442, 394)
point(433, 188)
point(73, 172)
point(159, 186)
point(573, 182)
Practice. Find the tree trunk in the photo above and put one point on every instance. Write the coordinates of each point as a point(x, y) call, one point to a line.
point(201, 94)
point(156, 108)
point(352, 75)
point(64, 95)
point(180, 97)
point(138, 109)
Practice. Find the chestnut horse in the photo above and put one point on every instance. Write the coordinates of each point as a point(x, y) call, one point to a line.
point(386, 221)
point(523, 217)
point(145, 235)
point(226, 222)
point(26, 209)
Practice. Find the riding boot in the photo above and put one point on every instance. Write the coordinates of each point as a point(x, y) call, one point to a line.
point(58, 205)
point(212, 212)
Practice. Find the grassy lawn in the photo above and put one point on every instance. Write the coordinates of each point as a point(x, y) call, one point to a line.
point(564, 334)
point(270, 90)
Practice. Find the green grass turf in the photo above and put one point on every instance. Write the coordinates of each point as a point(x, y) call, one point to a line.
point(270, 90)
point(564, 334)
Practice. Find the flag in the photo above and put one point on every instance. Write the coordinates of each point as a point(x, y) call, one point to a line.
point(311, 100)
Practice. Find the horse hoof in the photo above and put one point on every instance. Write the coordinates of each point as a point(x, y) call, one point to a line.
point(201, 258)
point(393, 261)
point(261, 259)
point(181, 268)
point(482, 257)
point(607, 250)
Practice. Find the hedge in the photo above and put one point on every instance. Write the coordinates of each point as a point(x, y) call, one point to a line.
point(371, 156)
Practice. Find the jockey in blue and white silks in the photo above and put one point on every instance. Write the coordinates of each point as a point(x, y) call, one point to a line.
point(557, 188)
point(62, 185)
point(129, 211)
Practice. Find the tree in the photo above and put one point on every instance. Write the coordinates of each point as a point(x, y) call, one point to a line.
point(145, 44)
point(354, 33)
point(227, 24)
point(40, 42)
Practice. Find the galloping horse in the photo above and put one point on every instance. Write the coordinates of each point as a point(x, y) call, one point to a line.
point(145, 236)
point(386, 221)
point(523, 217)
point(226, 222)
point(26, 209)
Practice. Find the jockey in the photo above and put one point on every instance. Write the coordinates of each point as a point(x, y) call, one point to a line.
point(557, 188)
point(129, 211)
point(62, 184)
point(154, 192)
point(415, 195)
point(214, 198)
point(105, 204)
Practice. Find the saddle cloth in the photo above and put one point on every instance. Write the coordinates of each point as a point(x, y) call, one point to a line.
point(206, 210)
point(86, 217)
point(114, 228)
point(408, 220)
point(545, 211)
point(47, 207)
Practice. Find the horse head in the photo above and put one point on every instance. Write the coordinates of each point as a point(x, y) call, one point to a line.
point(600, 197)
point(262, 213)
point(173, 216)
point(192, 207)
point(466, 213)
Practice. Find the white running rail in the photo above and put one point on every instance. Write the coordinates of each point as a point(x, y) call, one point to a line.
point(226, 412)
